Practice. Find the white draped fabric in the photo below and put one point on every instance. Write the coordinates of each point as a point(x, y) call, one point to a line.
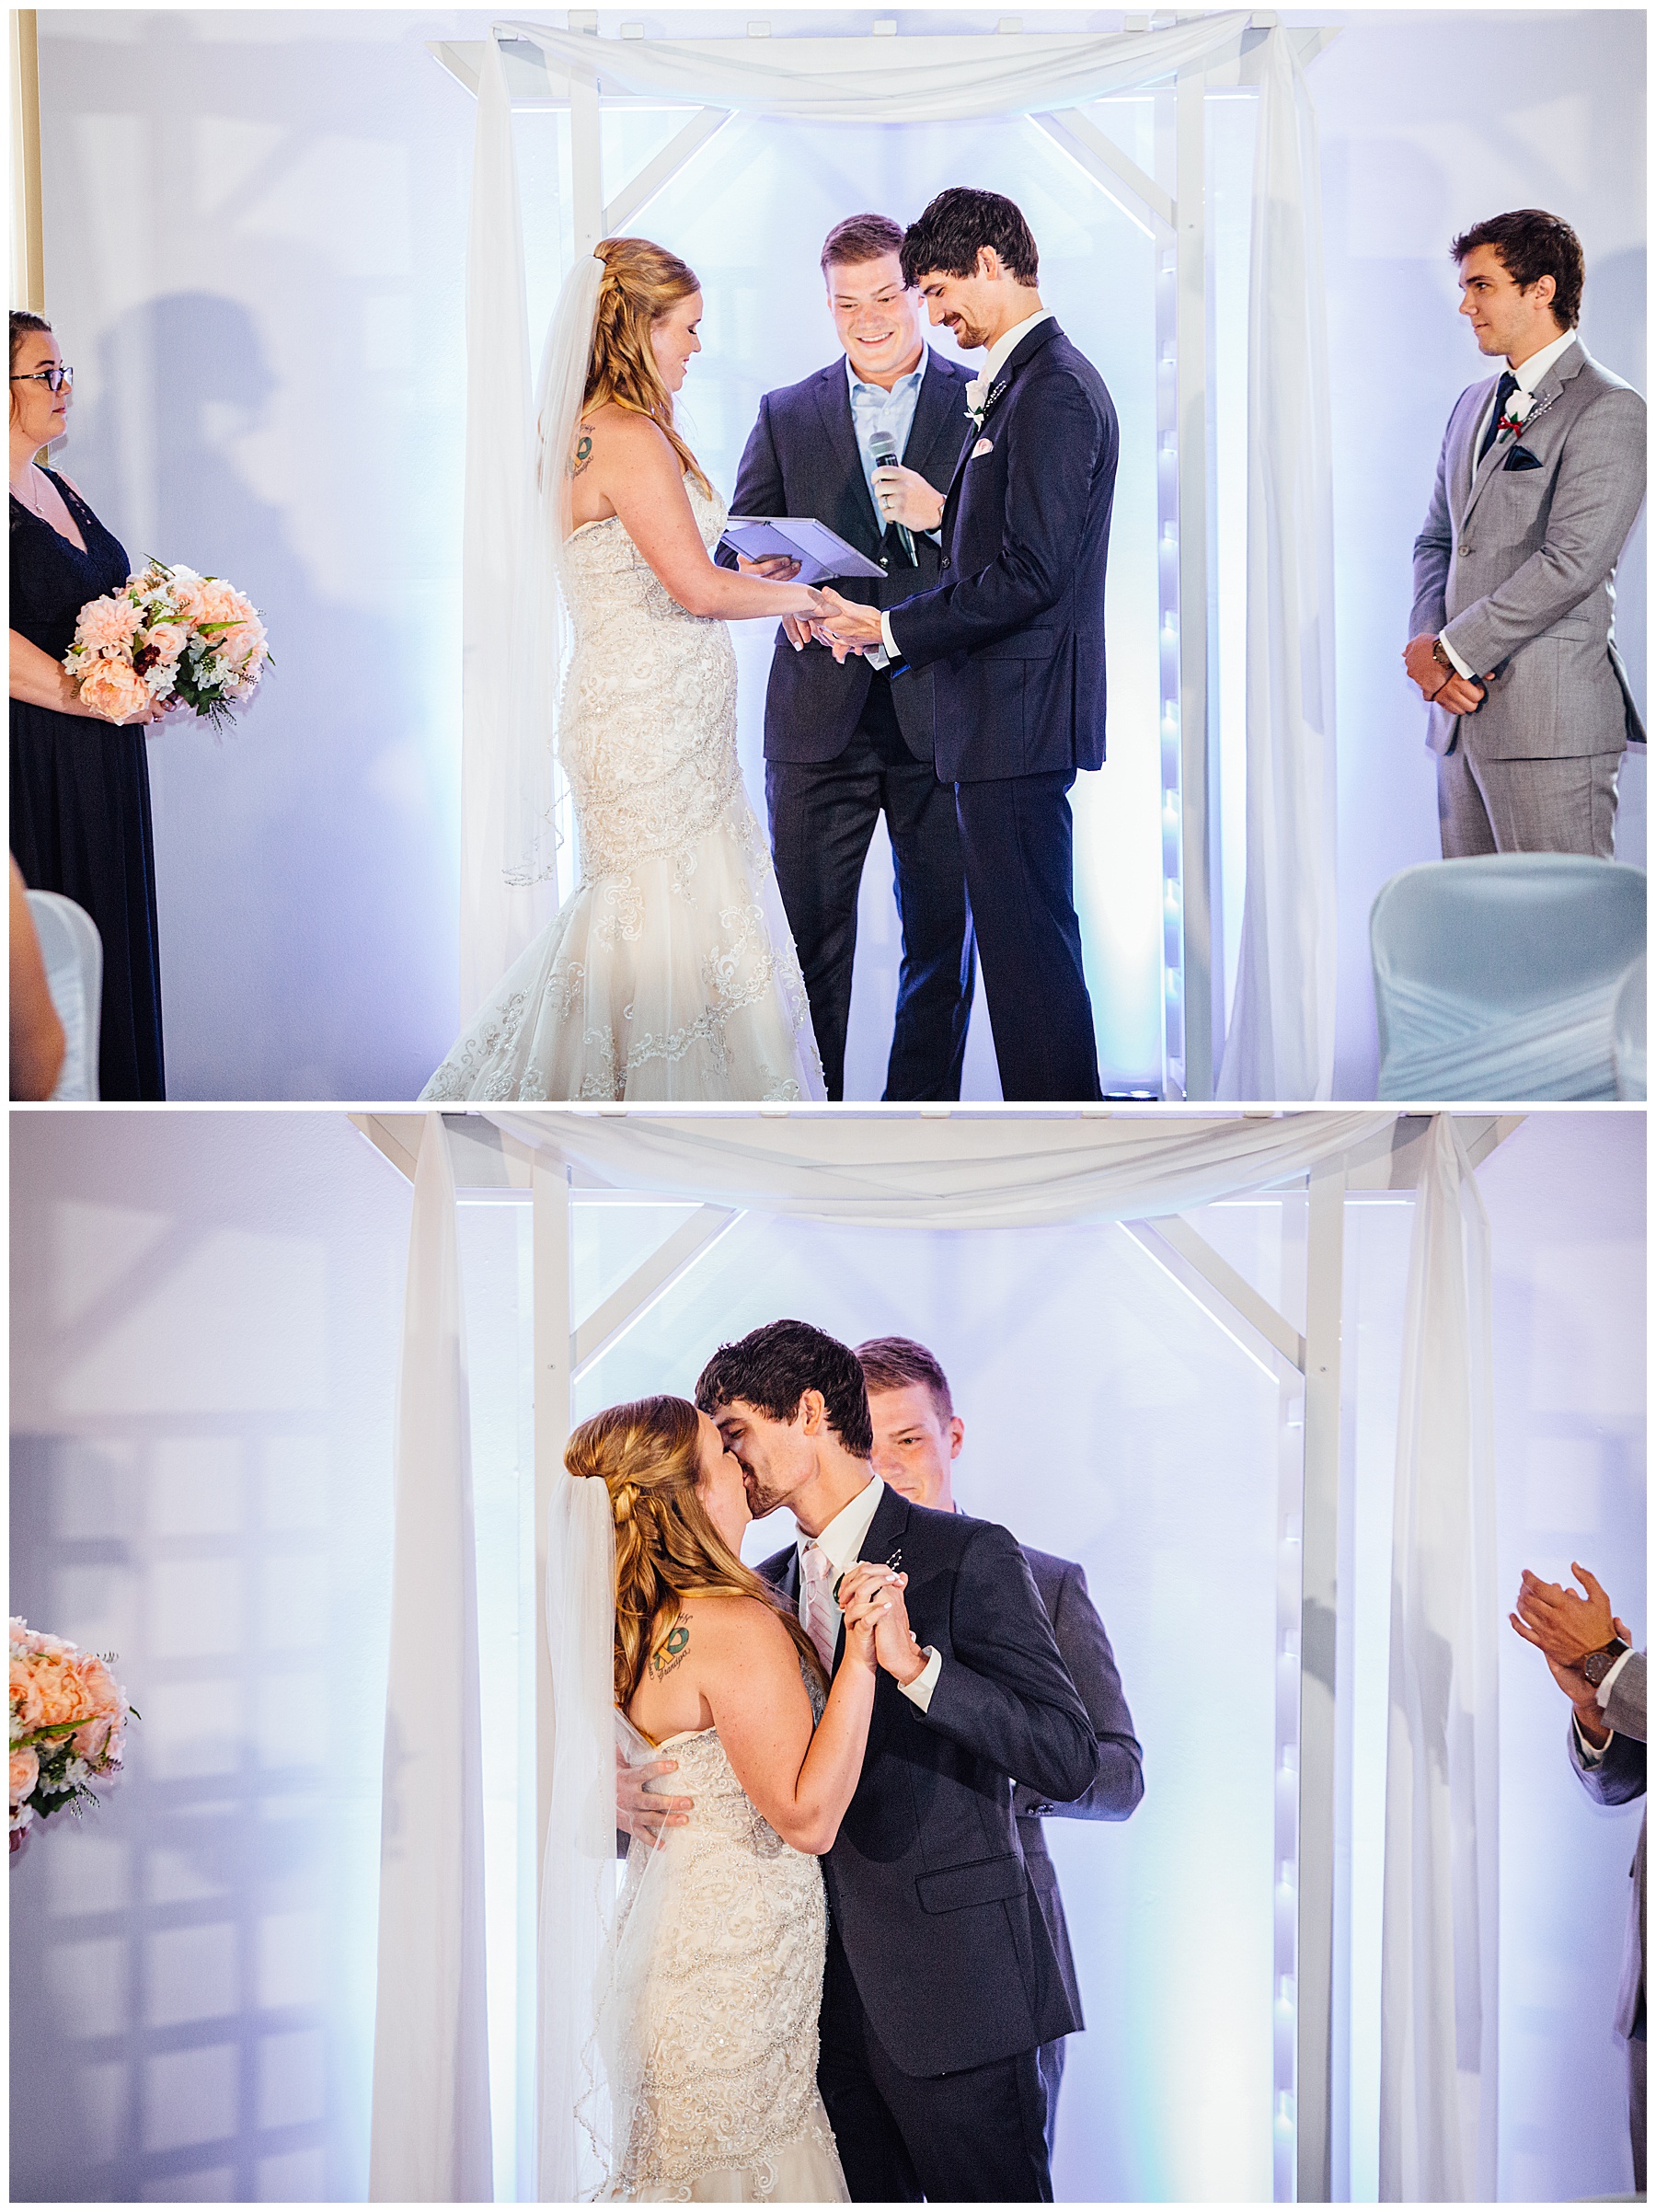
point(1281, 1039)
point(1438, 1961)
point(967, 1172)
point(1282, 1034)
point(498, 913)
point(431, 2136)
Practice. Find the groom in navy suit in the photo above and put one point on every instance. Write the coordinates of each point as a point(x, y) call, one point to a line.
point(941, 1981)
point(841, 742)
point(1013, 631)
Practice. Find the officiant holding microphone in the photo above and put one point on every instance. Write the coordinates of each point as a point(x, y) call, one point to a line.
point(868, 447)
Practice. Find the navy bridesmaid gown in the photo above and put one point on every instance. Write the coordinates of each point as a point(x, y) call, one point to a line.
point(80, 798)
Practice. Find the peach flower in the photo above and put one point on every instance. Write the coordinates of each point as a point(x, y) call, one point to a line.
point(169, 639)
point(112, 690)
point(25, 1773)
point(107, 626)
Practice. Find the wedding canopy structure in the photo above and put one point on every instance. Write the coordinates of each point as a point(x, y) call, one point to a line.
point(1279, 1042)
point(1438, 2087)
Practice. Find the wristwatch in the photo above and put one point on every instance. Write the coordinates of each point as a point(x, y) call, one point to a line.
point(1440, 656)
point(1597, 1664)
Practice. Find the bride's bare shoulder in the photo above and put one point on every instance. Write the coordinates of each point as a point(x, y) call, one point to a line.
point(745, 1628)
point(616, 436)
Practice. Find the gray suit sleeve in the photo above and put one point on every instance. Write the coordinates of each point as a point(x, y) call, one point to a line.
point(1625, 1707)
point(1084, 1647)
point(1596, 497)
point(1618, 1776)
point(1431, 550)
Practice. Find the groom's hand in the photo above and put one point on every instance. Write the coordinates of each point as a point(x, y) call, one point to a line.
point(640, 1811)
point(896, 1647)
point(844, 622)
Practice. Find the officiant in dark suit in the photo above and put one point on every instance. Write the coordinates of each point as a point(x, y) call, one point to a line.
point(844, 743)
point(1013, 631)
point(917, 1438)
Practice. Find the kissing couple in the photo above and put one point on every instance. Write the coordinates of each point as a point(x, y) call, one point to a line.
point(827, 1975)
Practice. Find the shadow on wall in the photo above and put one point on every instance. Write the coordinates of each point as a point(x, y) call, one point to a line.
point(170, 2034)
point(298, 943)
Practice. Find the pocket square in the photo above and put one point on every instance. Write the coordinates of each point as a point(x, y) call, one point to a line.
point(1521, 457)
point(984, 445)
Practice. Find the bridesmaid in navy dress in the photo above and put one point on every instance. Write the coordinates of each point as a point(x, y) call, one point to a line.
point(80, 802)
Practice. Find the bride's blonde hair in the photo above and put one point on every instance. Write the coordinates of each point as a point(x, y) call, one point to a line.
point(648, 1456)
point(640, 283)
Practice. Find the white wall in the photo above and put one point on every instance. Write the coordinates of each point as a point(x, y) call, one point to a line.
point(273, 380)
point(205, 1316)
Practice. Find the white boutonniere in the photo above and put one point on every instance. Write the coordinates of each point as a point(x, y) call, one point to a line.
point(976, 398)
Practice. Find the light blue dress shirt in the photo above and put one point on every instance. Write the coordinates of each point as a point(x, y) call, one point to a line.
point(874, 408)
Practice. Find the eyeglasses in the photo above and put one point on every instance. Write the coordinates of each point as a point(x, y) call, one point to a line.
point(54, 378)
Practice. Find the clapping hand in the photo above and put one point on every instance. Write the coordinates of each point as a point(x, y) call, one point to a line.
point(1564, 1628)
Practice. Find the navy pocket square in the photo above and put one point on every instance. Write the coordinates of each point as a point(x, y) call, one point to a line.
point(1521, 457)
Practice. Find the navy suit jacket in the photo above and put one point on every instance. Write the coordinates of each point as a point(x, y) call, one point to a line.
point(1084, 1648)
point(1014, 631)
point(927, 1881)
point(802, 459)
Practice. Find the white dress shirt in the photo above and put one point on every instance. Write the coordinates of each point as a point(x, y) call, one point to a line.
point(977, 391)
point(1528, 376)
point(841, 1544)
point(1592, 1753)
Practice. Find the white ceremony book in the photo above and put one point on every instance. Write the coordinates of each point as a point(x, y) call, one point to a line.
point(819, 550)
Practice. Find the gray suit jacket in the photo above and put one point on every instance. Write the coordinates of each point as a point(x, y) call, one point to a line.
point(1084, 1649)
point(1516, 562)
point(1617, 1779)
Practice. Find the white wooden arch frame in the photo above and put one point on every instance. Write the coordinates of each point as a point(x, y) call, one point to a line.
point(1172, 215)
point(489, 1163)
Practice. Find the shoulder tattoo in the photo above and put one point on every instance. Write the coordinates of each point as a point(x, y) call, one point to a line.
point(671, 1653)
point(583, 453)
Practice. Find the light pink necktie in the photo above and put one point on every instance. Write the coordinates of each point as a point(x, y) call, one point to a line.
point(817, 1603)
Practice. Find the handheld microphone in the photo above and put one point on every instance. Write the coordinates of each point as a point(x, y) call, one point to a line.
point(883, 447)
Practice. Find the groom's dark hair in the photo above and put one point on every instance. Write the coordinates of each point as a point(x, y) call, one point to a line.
point(772, 1368)
point(958, 224)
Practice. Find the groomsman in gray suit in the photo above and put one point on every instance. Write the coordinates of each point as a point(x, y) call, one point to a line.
point(917, 1437)
point(1540, 478)
point(1592, 1660)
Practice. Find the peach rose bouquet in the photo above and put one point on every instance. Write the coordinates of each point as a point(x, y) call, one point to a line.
point(68, 1724)
point(168, 635)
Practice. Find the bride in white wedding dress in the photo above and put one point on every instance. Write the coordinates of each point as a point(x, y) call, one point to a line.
point(670, 973)
point(681, 2024)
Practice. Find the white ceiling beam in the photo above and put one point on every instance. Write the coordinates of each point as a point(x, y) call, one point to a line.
point(655, 176)
point(1109, 167)
point(650, 1282)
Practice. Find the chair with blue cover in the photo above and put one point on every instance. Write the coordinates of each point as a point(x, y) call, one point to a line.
point(1630, 1032)
point(1496, 978)
point(72, 954)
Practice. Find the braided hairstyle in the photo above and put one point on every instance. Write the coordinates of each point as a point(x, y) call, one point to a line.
point(640, 282)
point(648, 1456)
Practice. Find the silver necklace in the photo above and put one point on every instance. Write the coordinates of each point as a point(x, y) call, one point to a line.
point(31, 503)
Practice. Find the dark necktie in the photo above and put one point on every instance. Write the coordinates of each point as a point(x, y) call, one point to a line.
point(1504, 392)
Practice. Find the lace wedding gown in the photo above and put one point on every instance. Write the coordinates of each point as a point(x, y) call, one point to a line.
point(670, 973)
point(727, 1928)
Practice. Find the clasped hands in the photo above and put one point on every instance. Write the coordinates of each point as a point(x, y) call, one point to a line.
point(877, 1634)
point(1443, 687)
